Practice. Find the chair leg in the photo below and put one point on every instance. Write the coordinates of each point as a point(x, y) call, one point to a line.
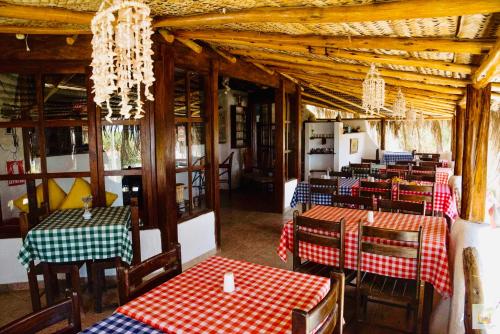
point(97, 281)
point(34, 289)
point(229, 180)
point(88, 265)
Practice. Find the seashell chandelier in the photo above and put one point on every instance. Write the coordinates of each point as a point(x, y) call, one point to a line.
point(122, 55)
point(373, 91)
point(411, 115)
point(399, 106)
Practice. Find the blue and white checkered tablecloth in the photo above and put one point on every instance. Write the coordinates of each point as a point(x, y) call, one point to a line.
point(301, 194)
point(120, 324)
point(391, 157)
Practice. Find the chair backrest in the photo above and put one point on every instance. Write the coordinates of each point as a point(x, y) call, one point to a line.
point(322, 186)
point(368, 161)
point(404, 167)
point(406, 162)
point(434, 164)
point(228, 160)
point(346, 174)
point(68, 310)
point(362, 165)
point(132, 282)
point(327, 316)
point(401, 206)
point(423, 168)
point(136, 232)
point(377, 189)
point(318, 232)
point(430, 156)
point(412, 251)
point(356, 201)
point(418, 193)
point(428, 177)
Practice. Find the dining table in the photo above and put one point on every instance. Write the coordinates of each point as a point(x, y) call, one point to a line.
point(195, 302)
point(65, 236)
point(435, 270)
point(302, 193)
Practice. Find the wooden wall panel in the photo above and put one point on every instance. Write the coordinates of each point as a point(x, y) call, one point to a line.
point(279, 169)
point(298, 132)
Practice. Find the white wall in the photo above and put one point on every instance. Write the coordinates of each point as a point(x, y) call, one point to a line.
point(366, 146)
point(225, 102)
point(289, 190)
point(197, 236)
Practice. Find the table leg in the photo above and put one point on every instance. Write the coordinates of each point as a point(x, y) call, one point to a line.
point(97, 286)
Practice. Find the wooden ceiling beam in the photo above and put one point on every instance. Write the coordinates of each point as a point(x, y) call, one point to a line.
point(397, 10)
point(428, 80)
point(474, 46)
point(365, 57)
point(226, 56)
point(335, 105)
point(45, 13)
point(9, 29)
point(489, 68)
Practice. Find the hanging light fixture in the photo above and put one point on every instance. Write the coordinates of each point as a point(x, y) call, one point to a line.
point(373, 91)
point(121, 55)
point(399, 106)
point(421, 119)
point(411, 115)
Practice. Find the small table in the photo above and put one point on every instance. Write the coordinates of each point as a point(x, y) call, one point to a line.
point(347, 186)
point(194, 301)
point(64, 236)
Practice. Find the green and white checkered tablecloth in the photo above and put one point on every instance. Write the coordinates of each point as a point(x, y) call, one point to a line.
point(65, 236)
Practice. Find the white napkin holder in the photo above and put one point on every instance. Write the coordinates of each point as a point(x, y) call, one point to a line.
point(369, 217)
point(229, 282)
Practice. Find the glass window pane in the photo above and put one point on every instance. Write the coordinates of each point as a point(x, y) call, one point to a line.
point(197, 97)
point(13, 141)
point(182, 194)
point(198, 144)
point(65, 96)
point(181, 149)
point(116, 105)
point(67, 149)
point(180, 109)
point(17, 97)
point(199, 200)
point(121, 146)
point(14, 198)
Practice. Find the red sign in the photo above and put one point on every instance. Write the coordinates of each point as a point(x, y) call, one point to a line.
point(15, 167)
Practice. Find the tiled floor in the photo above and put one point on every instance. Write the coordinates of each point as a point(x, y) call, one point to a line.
point(248, 233)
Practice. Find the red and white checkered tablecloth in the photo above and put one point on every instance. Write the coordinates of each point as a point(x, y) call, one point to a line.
point(434, 249)
point(442, 174)
point(194, 302)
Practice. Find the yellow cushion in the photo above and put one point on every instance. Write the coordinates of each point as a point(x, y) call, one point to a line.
point(110, 198)
point(56, 197)
point(80, 189)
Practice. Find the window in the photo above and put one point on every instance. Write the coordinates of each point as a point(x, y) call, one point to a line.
point(48, 133)
point(290, 139)
point(191, 161)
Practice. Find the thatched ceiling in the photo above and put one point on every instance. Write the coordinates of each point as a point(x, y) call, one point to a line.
point(325, 45)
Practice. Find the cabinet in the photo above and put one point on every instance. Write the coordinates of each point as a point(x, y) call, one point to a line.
point(240, 127)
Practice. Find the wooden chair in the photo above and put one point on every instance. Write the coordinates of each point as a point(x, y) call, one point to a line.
point(370, 161)
point(322, 186)
point(98, 267)
point(424, 193)
point(428, 156)
point(360, 169)
point(226, 167)
point(400, 170)
point(327, 316)
point(406, 162)
point(361, 166)
point(434, 164)
point(375, 189)
point(322, 233)
point(422, 177)
point(132, 282)
point(48, 270)
point(365, 203)
point(381, 176)
point(68, 309)
point(423, 169)
point(388, 205)
point(346, 174)
point(390, 291)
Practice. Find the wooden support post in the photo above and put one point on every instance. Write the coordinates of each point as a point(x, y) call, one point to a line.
point(473, 287)
point(476, 126)
point(279, 166)
point(165, 146)
point(382, 134)
point(459, 140)
point(297, 116)
point(212, 100)
point(453, 135)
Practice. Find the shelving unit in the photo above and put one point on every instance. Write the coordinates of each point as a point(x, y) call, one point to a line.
point(318, 136)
